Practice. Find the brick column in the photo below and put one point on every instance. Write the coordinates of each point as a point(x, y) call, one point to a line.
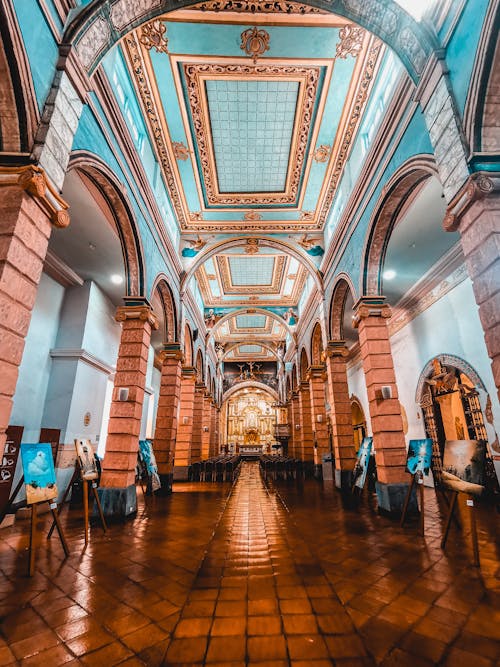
point(198, 411)
point(207, 424)
point(389, 442)
point(475, 213)
point(317, 377)
point(306, 433)
point(117, 492)
point(29, 206)
point(341, 417)
point(166, 417)
point(297, 441)
point(214, 449)
point(291, 426)
point(185, 425)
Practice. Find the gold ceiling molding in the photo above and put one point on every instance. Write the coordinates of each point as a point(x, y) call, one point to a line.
point(196, 216)
point(306, 216)
point(351, 41)
point(257, 7)
point(252, 247)
point(229, 288)
point(152, 36)
point(254, 42)
point(195, 76)
point(234, 329)
point(142, 78)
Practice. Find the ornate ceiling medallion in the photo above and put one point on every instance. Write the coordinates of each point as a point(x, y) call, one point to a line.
point(153, 36)
point(351, 41)
point(254, 42)
point(322, 153)
point(252, 216)
point(181, 152)
point(252, 246)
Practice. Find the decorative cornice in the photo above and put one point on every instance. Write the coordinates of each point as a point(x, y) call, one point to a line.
point(478, 186)
point(370, 306)
point(143, 313)
point(75, 354)
point(257, 7)
point(33, 180)
point(60, 271)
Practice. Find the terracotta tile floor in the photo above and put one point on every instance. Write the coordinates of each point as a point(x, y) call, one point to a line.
point(283, 575)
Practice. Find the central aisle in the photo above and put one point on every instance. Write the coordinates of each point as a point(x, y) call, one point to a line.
point(260, 595)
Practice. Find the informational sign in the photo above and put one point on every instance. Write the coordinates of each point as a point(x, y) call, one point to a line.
point(8, 463)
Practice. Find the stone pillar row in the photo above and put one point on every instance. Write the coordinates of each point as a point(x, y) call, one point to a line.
point(317, 380)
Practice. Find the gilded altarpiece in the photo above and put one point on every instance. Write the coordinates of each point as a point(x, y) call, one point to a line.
point(250, 419)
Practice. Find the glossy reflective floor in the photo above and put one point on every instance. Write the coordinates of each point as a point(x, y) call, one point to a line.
point(277, 575)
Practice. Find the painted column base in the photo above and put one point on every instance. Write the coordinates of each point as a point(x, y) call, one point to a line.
point(343, 480)
point(181, 473)
point(391, 498)
point(117, 503)
point(166, 480)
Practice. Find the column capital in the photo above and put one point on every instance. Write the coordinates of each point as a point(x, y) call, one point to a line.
point(316, 371)
point(189, 373)
point(200, 386)
point(138, 312)
point(478, 186)
point(337, 348)
point(370, 306)
point(304, 385)
point(170, 351)
point(33, 180)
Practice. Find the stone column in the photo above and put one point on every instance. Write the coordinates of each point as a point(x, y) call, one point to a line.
point(317, 378)
point(291, 425)
point(166, 417)
point(207, 424)
point(306, 432)
point(185, 425)
point(475, 213)
point(389, 443)
point(214, 449)
point(30, 206)
point(341, 417)
point(117, 492)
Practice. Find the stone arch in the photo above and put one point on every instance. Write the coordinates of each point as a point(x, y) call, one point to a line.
point(262, 242)
point(337, 305)
point(111, 190)
point(97, 27)
point(248, 385)
point(252, 311)
point(304, 364)
point(169, 311)
point(200, 374)
point(188, 346)
point(481, 107)
point(317, 345)
point(19, 114)
point(447, 360)
point(404, 182)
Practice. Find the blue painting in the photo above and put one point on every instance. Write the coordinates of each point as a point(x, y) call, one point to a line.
point(39, 472)
point(419, 456)
point(362, 461)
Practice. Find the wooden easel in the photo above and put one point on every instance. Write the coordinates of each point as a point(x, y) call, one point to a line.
point(416, 479)
point(74, 477)
point(57, 523)
point(473, 528)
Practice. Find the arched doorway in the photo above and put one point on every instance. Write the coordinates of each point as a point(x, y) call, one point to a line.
point(358, 421)
point(454, 404)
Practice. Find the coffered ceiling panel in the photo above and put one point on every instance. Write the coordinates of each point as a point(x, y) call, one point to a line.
point(251, 120)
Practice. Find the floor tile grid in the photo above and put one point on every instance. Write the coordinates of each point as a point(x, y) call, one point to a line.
point(408, 599)
point(262, 582)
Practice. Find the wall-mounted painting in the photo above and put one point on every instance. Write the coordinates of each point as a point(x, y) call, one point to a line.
point(39, 472)
point(419, 456)
point(362, 461)
point(86, 459)
point(465, 460)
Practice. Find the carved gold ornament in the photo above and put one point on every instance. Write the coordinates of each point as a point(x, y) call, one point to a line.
point(306, 216)
point(252, 246)
point(257, 7)
point(252, 216)
point(197, 243)
point(196, 216)
point(351, 41)
point(321, 153)
point(153, 36)
point(254, 42)
point(181, 152)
